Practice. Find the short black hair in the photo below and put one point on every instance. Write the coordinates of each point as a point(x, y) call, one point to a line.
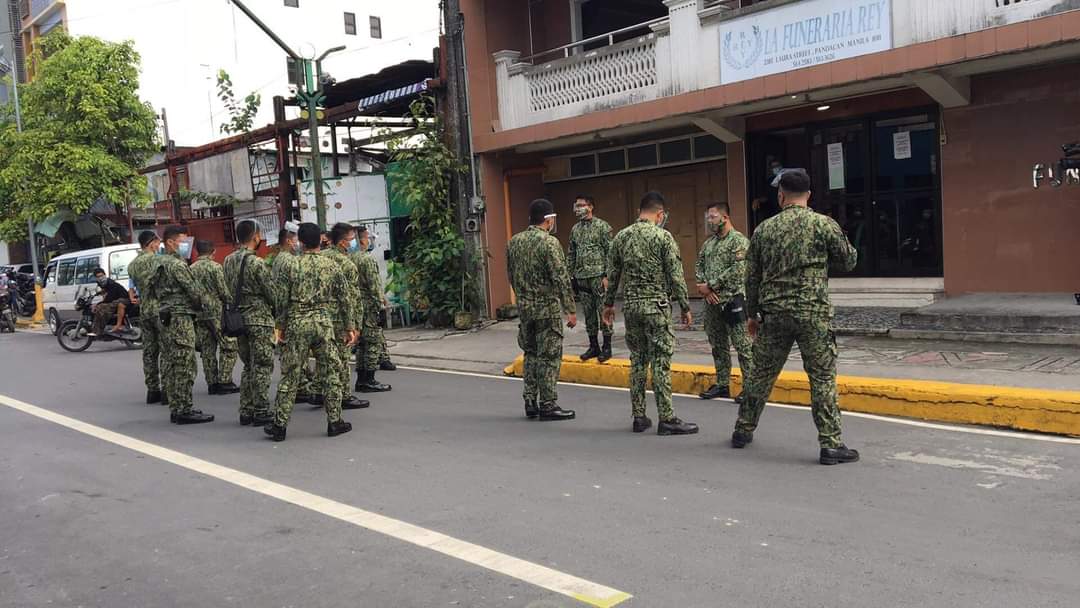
point(720, 206)
point(282, 235)
point(538, 210)
point(309, 235)
point(795, 181)
point(361, 229)
point(204, 247)
point(339, 231)
point(588, 199)
point(653, 201)
point(245, 230)
point(173, 231)
point(98, 271)
point(146, 237)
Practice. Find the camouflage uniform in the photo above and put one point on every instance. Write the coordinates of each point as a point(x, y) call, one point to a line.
point(280, 260)
point(539, 277)
point(142, 270)
point(590, 244)
point(309, 300)
point(722, 265)
point(257, 299)
point(209, 341)
point(343, 324)
point(788, 285)
point(645, 260)
point(372, 339)
point(180, 295)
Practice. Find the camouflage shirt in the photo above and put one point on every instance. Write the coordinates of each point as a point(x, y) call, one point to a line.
point(537, 269)
point(351, 291)
point(590, 244)
point(142, 270)
point(370, 283)
point(722, 264)
point(211, 279)
point(789, 259)
point(257, 295)
point(279, 260)
point(645, 260)
point(176, 287)
point(311, 291)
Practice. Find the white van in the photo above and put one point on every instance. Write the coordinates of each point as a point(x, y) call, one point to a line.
point(66, 273)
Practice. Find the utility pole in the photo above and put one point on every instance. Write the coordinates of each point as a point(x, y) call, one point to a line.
point(313, 96)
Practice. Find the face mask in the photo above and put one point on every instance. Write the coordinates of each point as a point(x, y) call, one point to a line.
point(713, 225)
point(663, 222)
point(102, 281)
point(581, 212)
point(184, 249)
point(554, 226)
point(297, 249)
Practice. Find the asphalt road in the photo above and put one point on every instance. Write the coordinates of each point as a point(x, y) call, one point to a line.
point(929, 517)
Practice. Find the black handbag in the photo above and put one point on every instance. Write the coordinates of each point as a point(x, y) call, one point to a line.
point(232, 318)
point(735, 311)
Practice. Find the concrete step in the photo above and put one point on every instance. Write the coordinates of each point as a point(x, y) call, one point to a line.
point(1022, 314)
point(886, 293)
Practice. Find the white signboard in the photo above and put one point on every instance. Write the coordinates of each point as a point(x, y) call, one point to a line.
point(901, 145)
point(922, 20)
point(802, 34)
point(354, 199)
point(836, 166)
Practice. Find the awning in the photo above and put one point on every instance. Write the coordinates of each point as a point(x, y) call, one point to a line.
point(51, 225)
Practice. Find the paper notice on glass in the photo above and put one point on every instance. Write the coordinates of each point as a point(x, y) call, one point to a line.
point(836, 166)
point(901, 145)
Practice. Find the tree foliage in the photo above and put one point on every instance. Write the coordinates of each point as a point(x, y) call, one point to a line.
point(241, 113)
point(438, 265)
point(86, 133)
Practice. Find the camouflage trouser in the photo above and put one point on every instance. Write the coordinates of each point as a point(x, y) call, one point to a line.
point(257, 353)
point(150, 333)
point(722, 337)
point(218, 352)
point(178, 366)
point(817, 344)
point(542, 342)
point(651, 339)
point(384, 355)
point(591, 295)
point(302, 337)
point(340, 372)
point(372, 344)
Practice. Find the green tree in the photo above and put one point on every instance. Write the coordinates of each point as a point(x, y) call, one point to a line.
point(241, 113)
point(86, 133)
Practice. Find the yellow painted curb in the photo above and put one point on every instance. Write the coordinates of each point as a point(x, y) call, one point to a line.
point(1024, 409)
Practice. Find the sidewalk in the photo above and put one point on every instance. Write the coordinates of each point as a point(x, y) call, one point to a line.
point(492, 348)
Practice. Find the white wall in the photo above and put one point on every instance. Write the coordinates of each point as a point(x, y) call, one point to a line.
point(184, 43)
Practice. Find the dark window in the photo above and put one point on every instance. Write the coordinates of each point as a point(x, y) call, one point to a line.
point(293, 3)
point(294, 70)
point(675, 151)
point(707, 146)
point(376, 26)
point(615, 160)
point(84, 270)
point(583, 165)
point(350, 24)
point(642, 156)
point(66, 273)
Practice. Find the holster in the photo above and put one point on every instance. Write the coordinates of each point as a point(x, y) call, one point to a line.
point(165, 316)
point(735, 310)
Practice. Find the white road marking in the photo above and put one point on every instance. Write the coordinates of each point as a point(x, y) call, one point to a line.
point(553, 580)
point(916, 423)
point(1039, 472)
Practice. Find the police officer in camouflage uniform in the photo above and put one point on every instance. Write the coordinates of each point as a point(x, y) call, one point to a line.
point(180, 299)
point(256, 302)
point(309, 299)
point(645, 260)
point(142, 270)
point(372, 340)
point(218, 350)
point(590, 243)
point(787, 298)
point(342, 240)
point(539, 277)
point(288, 250)
point(721, 279)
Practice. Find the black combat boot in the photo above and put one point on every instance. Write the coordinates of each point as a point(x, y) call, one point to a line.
point(741, 439)
point(605, 350)
point(173, 416)
point(338, 427)
point(594, 349)
point(716, 392)
point(194, 417)
point(275, 432)
point(352, 403)
point(228, 388)
point(641, 424)
point(153, 397)
point(302, 398)
point(359, 380)
point(246, 418)
point(164, 398)
point(371, 385)
point(550, 411)
point(387, 365)
point(262, 418)
point(838, 455)
point(531, 409)
point(676, 427)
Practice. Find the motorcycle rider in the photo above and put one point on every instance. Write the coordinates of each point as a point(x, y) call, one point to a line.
point(115, 303)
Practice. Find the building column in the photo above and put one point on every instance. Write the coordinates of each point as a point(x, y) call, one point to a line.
point(685, 30)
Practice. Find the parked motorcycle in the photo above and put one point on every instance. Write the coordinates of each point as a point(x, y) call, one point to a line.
point(25, 296)
point(72, 334)
point(7, 315)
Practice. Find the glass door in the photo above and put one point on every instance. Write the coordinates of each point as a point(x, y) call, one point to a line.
point(839, 170)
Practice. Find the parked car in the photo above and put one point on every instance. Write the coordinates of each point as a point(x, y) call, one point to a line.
point(66, 273)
